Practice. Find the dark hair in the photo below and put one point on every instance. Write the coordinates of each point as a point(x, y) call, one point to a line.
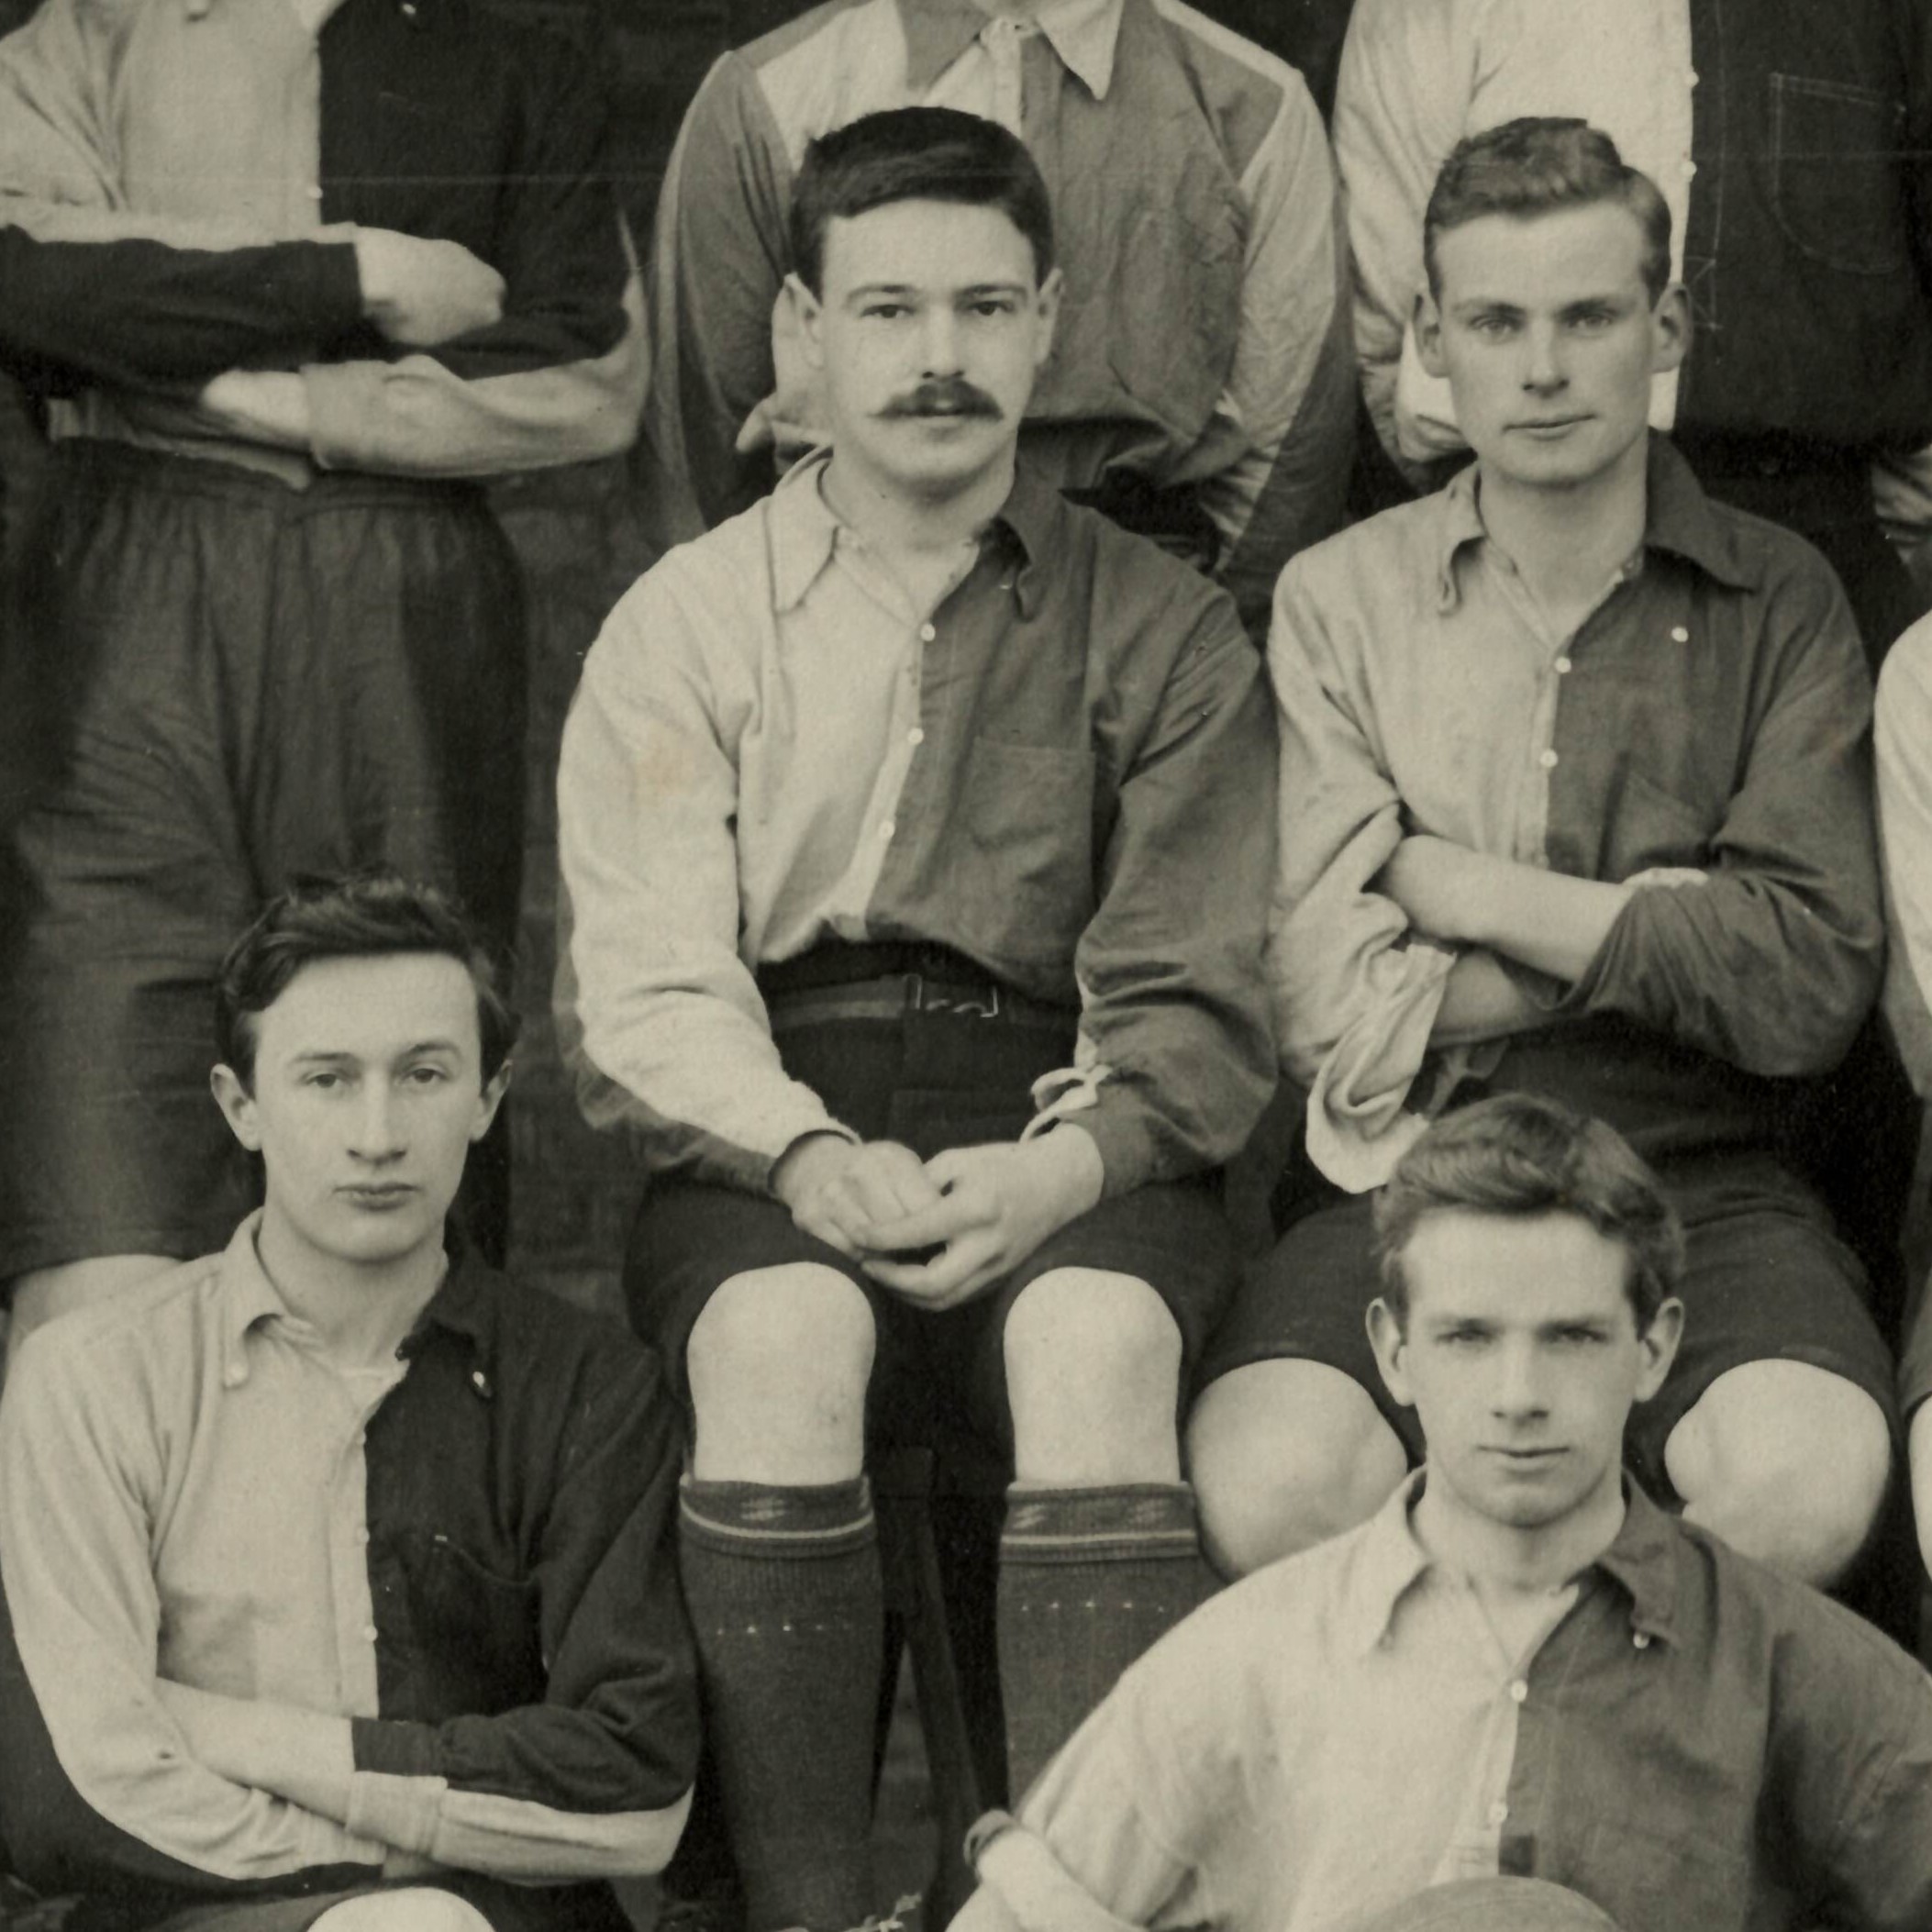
point(1517, 1154)
point(1533, 165)
point(915, 154)
point(365, 915)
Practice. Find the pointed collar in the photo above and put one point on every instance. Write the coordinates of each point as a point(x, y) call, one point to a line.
point(1084, 33)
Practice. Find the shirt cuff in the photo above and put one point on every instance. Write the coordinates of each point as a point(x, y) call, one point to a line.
point(341, 397)
point(1036, 1888)
point(400, 1812)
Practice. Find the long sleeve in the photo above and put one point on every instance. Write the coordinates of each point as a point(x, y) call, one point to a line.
point(1170, 965)
point(1291, 393)
point(1355, 993)
point(595, 1781)
point(718, 261)
point(657, 1008)
point(1774, 962)
point(101, 1790)
point(1903, 733)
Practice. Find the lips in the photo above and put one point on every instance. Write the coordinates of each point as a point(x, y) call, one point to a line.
point(376, 1197)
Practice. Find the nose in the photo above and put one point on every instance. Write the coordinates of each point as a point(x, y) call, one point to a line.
point(1543, 371)
point(378, 1124)
point(1518, 1391)
point(939, 348)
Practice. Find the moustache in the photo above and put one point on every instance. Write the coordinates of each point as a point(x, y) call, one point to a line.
point(951, 396)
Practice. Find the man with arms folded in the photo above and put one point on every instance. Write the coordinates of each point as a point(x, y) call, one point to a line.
point(339, 1583)
point(296, 277)
point(916, 828)
point(1519, 1667)
point(1575, 799)
point(1202, 387)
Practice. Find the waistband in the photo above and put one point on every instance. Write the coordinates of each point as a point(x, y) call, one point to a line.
point(843, 980)
point(111, 463)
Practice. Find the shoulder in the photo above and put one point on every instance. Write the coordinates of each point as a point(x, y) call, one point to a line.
point(1245, 91)
point(1395, 554)
point(709, 586)
point(1143, 600)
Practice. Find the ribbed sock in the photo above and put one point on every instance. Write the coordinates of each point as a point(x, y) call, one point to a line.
point(786, 1597)
point(1089, 1578)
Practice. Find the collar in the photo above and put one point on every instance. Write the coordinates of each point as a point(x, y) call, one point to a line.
point(1679, 519)
point(1084, 33)
point(1641, 1560)
point(803, 529)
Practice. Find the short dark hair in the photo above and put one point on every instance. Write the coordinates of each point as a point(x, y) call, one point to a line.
point(915, 154)
point(1518, 1154)
point(360, 916)
point(1533, 165)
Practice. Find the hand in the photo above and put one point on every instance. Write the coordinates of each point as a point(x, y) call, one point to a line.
point(841, 1191)
point(1429, 879)
point(1667, 875)
point(265, 405)
point(999, 1203)
point(421, 293)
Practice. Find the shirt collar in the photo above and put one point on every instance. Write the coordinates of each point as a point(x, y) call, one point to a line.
point(1641, 1560)
point(805, 529)
point(1679, 518)
point(1084, 33)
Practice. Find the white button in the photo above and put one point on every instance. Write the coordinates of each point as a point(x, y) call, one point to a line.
point(1518, 1691)
point(1690, 167)
point(887, 829)
point(926, 633)
point(1679, 634)
point(915, 737)
point(234, 1375)
point(1498, 1812)
point(1642, 1638)
point(1562, 667)
point(314, 191)
point(1546, 759)
point(362, 1441)
point(369, 1633)
point(1689, 77)
point(362, 1535)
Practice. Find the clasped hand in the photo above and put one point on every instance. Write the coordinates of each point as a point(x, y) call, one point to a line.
point(983, 1209)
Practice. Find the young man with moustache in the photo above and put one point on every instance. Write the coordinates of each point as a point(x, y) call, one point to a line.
point(1520, 1674)
point(915, 827)
point(1575, 800)
point(337, 1581)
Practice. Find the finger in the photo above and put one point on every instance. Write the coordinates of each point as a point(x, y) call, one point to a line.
point(945, 1220)
point(966, 1265)
point(912, 1187)
point(815, 1215)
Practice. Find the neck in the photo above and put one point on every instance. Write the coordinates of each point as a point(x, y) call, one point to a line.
point(1513, 1557)
point(361, 1310)
point(1574, 538)
point(897, 519)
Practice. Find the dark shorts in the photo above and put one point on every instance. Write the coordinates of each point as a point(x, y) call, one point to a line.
point(508, 1909)
point(929, 1081)
point(237, 682)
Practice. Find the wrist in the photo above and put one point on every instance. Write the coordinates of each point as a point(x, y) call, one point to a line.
point(807, 1164)
point(1074, 1172)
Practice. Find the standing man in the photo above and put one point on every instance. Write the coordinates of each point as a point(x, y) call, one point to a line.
point(298, 275)
point(339, 1588)
point(1520, 1674)
point(1200, 386)
point(1576, 800)
point(915, 826)
point(1786, 140)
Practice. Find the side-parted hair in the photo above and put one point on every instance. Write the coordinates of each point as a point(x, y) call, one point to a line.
point(915, 154)
point(1535, 165)
point(363, 916)
point(1517, 1154)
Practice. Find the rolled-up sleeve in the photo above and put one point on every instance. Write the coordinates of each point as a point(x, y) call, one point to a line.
point(1773, 963)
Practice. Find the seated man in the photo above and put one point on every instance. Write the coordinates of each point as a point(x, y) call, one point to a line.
point(1519, 1665)
point(916, 829)
point(338, 1581)
point(1203, 387)
point(1575, 799)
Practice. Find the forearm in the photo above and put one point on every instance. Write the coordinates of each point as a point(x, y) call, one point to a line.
point(305, 1756)
point(1482, 1002)
point(1543, 919)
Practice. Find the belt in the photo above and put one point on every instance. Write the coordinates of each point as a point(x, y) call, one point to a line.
point(897, 995)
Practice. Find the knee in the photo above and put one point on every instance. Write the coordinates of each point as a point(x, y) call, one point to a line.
point(780, 1341)
point(1090, 1339)
point(1787, 1462)
point(1285, 1455)
point(414, 1908)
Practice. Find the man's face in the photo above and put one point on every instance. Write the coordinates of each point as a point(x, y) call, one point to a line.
point(1522, 1358)
point(929, 332)
point(1548, 339)
point(367, 1095)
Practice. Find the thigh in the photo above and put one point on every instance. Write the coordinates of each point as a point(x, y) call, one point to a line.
point(508, 1909)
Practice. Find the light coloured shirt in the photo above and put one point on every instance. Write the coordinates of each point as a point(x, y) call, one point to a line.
point(199, 124)
point(1902, 733)
point(1202, 340)
point(1711, 712)
point(188, 1491)
point(1065, 772)
point(1691, 1741)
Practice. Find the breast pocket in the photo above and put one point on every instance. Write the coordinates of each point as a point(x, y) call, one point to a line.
point(1642, 1878)
point(1028, 813)
point(1646, 825)
point(1835, 173)
point(479, 1631)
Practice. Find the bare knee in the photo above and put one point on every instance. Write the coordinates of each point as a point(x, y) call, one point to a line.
point(1285, 1455)
point(778, 1364)
point(412, 1908)
point(1093, 1377)
point(1787, 1462)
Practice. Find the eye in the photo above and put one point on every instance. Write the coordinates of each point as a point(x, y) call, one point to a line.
point(1592, 320)
point(1492, 324)
point(426, 1076)
point(992, 305)
point(322, 1080)
point(884, 311)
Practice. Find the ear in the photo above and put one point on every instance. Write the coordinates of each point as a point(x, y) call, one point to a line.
point(807, 318)
point(1659, 1343)
point(1046, 312)
point(1670, 330)
point(488, 1101)
point(1428, 335)
point(238, 1107)
point(1391, 1346)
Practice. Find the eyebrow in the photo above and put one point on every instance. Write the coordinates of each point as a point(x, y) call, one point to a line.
point(322, 1056)
point(866, 289)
